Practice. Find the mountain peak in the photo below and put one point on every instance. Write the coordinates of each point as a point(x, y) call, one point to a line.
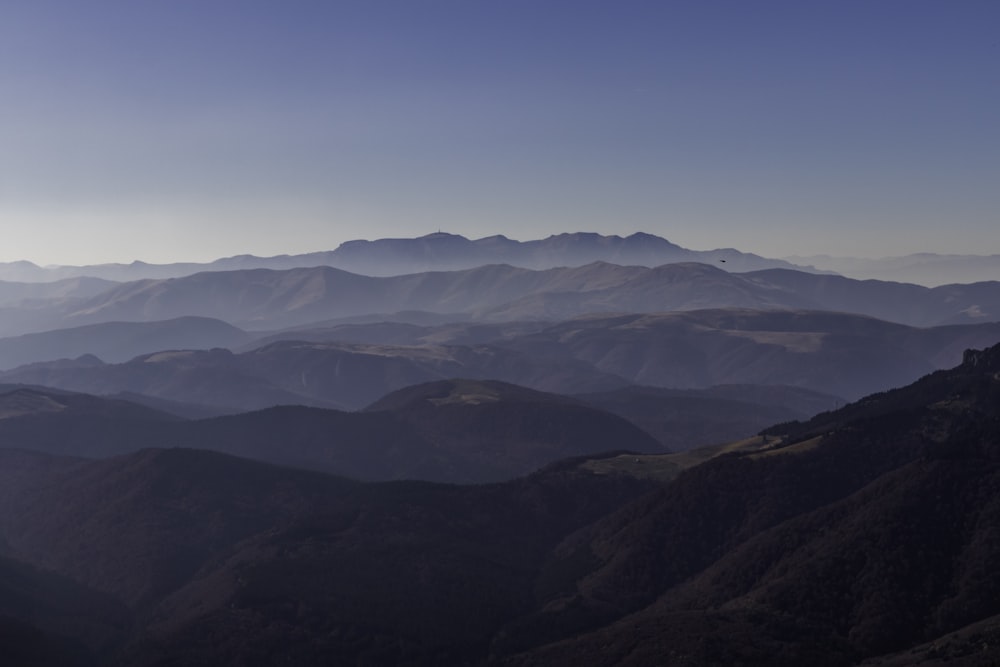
point(439, 236)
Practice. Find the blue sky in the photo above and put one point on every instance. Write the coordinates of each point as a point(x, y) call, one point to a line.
point(181, 130)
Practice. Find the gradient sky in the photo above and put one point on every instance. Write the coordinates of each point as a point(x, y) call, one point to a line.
point(168, 130)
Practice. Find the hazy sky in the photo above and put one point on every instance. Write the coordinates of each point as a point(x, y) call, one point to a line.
point(170, 130)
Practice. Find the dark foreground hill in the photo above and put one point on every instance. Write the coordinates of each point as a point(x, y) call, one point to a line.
point(862, 532)
point(226, 561)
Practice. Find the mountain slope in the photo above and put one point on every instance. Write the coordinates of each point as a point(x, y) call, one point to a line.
point(862, 531)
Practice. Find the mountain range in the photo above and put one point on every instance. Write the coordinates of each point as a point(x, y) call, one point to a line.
point(447, 252)
point(580, 450)
point(865, 534)
point(433, 252)
point(263, 299)
point(839, 355)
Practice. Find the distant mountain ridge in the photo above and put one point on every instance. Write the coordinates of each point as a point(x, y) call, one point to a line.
point(433, 252)
point(833, 353)
point(441, 251)
point(261, 299)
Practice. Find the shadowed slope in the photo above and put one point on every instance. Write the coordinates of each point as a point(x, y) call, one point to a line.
point(862, 531)
point(228, 561)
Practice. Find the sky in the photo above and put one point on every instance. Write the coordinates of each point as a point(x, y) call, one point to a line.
point(187, 130)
